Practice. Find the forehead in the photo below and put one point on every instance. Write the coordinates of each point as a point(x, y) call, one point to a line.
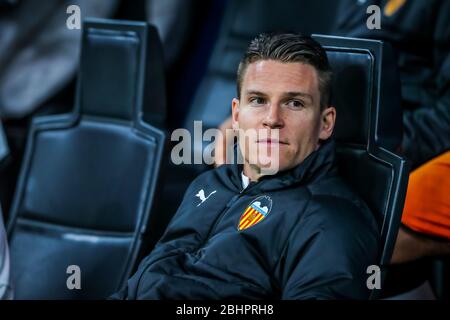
point(275, 76)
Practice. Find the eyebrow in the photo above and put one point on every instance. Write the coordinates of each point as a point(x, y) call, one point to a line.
point(289, 94)
point(256, 93)
point(292, 94)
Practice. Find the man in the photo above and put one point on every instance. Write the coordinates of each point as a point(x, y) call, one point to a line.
point(298, 234)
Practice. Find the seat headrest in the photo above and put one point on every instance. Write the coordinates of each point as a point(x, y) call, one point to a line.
point(121, 70)
point(366, 88)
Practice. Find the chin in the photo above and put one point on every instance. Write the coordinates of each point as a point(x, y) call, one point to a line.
point(269, 164)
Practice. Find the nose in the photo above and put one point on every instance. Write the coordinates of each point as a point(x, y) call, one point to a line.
point(274, 119)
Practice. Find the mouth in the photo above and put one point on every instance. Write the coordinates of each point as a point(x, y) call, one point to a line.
point(271, 142)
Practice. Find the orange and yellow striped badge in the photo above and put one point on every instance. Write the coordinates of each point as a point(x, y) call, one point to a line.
point(256, 211)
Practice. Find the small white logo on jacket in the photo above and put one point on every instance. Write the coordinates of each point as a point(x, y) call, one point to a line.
point(201, 195)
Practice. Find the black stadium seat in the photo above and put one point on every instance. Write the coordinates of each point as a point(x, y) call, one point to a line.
point(88, 183)
point(366, 93)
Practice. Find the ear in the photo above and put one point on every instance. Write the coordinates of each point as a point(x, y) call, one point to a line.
point(327, 121)
point(235, 113)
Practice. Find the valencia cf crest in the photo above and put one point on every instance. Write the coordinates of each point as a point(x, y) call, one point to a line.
point(256, 211)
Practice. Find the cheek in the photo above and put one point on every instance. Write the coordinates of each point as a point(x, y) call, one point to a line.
point(303, 130)
point(248, 118)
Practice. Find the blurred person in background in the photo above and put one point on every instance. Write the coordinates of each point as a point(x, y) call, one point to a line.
point(38, 52)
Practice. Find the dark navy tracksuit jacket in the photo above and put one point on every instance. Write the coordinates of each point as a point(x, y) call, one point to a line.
point(311, 238)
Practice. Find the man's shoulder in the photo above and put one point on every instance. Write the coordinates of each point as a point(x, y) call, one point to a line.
point(208, 176)
point(334, 189)
point(217, 178)
point(334, 203)
point(346, 225)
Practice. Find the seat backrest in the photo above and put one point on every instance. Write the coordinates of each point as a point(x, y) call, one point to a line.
point(366, 94)
point(89, 178)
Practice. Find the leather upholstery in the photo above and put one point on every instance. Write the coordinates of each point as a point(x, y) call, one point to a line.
point(366, 94)
point(88, 180)
point(365, 90)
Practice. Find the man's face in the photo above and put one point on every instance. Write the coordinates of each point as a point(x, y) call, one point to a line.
point(284, 97)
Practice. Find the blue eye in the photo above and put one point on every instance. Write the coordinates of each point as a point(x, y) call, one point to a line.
point(257, 101)
point(296, 104)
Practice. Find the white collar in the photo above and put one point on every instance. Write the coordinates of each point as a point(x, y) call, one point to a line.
point(245, 180)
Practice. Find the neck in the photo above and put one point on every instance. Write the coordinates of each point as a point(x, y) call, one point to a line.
point(252, 172)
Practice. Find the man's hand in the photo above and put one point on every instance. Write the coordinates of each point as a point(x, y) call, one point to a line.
point(411, 246)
